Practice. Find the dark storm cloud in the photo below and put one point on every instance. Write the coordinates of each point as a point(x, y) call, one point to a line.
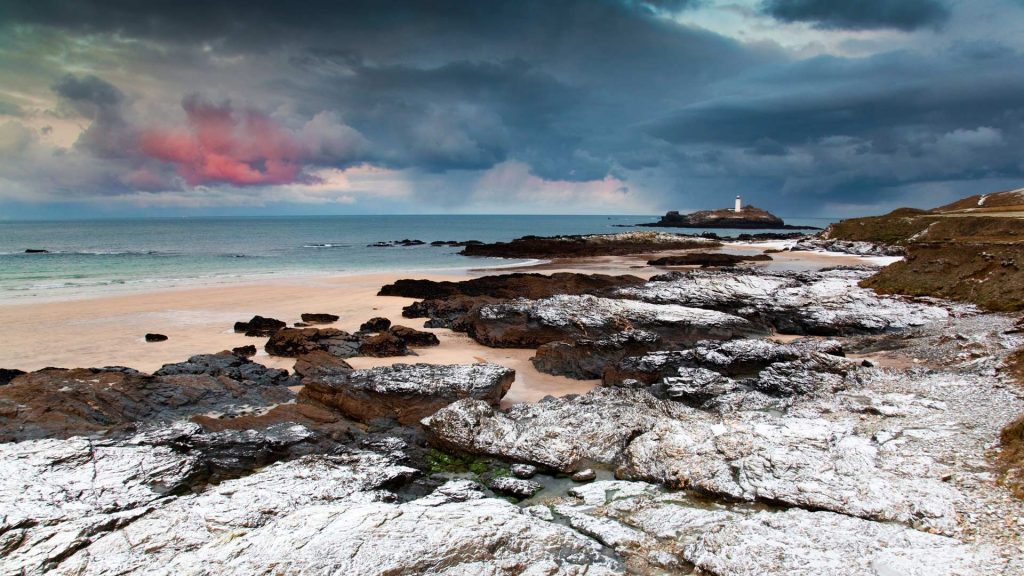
point(101, 102)
point(860, 14)
point(575, 90)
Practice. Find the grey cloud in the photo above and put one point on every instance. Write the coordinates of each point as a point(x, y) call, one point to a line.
point(860, 14)
point(99, 101)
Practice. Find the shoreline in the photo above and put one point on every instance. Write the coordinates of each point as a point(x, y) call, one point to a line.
point(109, 330)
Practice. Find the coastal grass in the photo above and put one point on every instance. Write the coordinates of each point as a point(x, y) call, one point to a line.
point(1011, 455)
point(975, 259)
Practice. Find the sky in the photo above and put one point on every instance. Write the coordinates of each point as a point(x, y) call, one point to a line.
point(809, 108)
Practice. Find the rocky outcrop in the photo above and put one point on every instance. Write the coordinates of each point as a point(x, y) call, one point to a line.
point(857, 248)
point(60, 403)
point(523, 323)
point(589, 245)
point(805, 462)
point(406, 392)
point(708, 259)
point(727, 375)
point(585, 359)
point(749, 217)
point(823, 303)
point(259, 326)
point(152, 337)
point(507, 286)
point(320, 318)
point(561, 434)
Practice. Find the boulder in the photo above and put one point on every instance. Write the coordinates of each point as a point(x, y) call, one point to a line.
point(414, 338)
point(377, 324)
point(406, 392)
point(294, 342)
point(516, 487)
point(524, 471)
point(259, 326)
point(155, 337)
point(585, 359)
point(247, 351)
point(523, 323)
point(383, 345)
point(321, 318)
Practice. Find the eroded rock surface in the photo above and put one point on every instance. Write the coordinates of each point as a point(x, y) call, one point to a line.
point(823, 303)
point(406, 392)
point(523, 323)
point(729, 375)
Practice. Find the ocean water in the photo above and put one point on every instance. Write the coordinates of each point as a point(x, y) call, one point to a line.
point(112, 256)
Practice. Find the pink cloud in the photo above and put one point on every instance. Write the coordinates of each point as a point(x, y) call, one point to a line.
point(247, 147)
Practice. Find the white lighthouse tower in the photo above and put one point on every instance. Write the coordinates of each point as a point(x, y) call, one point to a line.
point(738, 204)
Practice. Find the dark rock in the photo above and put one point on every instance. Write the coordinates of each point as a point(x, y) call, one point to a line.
point(319, 363)
point(413, 337)
point(8, 374)
point(61, 403)
point(588, 245)
point(406, 392)
point(36, 251)
point(708, 259)
point(247, 351)
point(231, 366)
point(155, 337)
point(377, 324)
point(294, 342)
point(584, 358)
point(301, 324)
point(448, 312)
point(393, 243)
point(511, 286)
point(320, 318)
point(383, 345)
point(516, 487)
point(259, 326)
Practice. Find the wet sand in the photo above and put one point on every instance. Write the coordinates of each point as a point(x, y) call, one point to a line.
point(109, 330)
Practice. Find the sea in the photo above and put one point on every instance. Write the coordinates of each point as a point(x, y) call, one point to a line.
point(92, 257)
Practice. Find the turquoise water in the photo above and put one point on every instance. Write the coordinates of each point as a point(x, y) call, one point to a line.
point(105, 256)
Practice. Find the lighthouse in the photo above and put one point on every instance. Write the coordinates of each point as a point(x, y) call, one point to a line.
point(738, 204)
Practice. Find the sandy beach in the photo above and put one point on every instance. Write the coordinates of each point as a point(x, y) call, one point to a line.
point(109, 330)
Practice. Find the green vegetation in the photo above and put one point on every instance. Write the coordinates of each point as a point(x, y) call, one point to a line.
point(482, 469)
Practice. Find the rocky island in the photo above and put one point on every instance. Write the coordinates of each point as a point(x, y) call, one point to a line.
point(751, 419)
point(747, 217)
